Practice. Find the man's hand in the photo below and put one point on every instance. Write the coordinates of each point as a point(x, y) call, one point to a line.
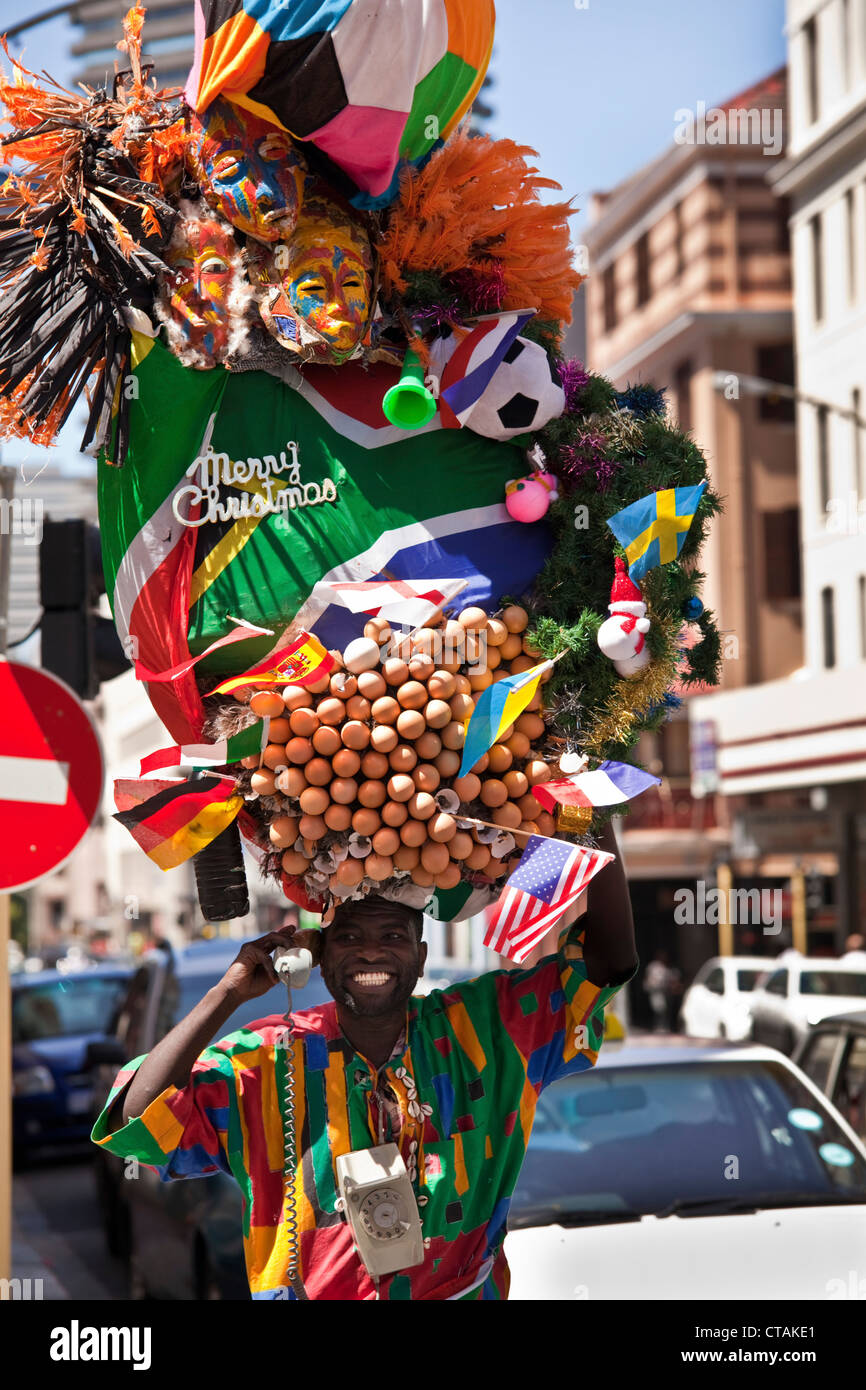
point(252, 971)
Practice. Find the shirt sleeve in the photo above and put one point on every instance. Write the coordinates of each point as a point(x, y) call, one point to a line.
point(183, 1133)
point(552, 1013)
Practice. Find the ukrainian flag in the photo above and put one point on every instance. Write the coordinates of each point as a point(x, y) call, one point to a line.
point(500, 704)
point(652, 530)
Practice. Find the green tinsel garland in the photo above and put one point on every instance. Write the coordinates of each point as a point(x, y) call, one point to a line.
point(608, 455)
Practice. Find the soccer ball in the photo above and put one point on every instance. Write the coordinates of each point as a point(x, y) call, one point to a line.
point(524, 394)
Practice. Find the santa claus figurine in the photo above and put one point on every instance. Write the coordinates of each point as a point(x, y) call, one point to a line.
point(621, 636)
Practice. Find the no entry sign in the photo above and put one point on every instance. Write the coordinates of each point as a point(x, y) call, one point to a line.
point(50, 774)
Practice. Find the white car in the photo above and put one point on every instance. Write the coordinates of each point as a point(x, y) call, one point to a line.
point(716, 1003)
point(688, 1170)
point(801, 990)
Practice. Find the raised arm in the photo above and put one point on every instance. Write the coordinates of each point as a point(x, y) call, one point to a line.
point(171, 1061)
point(609, 950)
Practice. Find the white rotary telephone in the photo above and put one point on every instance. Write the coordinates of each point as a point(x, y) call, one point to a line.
point(377, 1199)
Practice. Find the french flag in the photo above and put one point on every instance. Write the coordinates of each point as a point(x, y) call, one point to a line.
point(608, 785)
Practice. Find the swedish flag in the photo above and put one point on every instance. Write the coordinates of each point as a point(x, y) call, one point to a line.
point(652, 530)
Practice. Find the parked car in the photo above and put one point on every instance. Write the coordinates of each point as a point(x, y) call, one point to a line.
point(57, 1019)
point(800, 991)
point(833, 1055)
point(689, 1170)
point(182, 1240)
point(716, 1003)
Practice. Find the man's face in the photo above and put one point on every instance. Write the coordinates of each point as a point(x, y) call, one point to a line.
point(372, 959)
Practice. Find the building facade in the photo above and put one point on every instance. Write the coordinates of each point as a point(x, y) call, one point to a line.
point(167, 40)
point(690, 289)
point(792, 754)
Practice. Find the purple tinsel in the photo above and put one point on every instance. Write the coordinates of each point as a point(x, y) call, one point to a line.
point(484, 292)
point(584, 460)
point(573, 378)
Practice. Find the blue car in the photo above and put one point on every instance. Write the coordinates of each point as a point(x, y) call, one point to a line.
point(56, 1018)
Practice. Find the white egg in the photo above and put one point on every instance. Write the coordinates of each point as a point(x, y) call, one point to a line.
point(361, 655)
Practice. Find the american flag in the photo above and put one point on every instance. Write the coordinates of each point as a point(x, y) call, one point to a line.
point(551, 875)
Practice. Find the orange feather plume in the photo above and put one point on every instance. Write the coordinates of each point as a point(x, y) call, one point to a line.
point(476, 205)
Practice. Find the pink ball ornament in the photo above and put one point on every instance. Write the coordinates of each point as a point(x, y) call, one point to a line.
point(528, 499)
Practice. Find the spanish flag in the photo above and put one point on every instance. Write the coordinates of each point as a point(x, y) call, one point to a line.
point(499, 706)
point(652, 530)
point(172, 821)
point(302, 663)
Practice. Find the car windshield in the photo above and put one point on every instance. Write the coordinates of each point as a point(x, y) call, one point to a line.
point(844, 982)
point(65, 1007)
point(633, 1140)
point(746, 979)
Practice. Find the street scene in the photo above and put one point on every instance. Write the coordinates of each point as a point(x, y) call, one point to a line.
point(433, 661)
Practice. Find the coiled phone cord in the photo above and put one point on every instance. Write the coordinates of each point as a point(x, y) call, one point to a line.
point(290, 1210)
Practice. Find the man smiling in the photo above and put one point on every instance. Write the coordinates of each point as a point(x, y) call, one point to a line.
point(451, 1078)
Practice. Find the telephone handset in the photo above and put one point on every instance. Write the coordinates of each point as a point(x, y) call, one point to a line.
point(293, 965)
point(377, 1199)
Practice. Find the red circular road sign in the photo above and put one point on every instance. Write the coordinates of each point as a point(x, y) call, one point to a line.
point(50, 774)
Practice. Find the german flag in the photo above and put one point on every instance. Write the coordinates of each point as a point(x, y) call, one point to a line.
point(172, 821)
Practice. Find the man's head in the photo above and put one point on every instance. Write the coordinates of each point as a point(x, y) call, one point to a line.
point(372, 956)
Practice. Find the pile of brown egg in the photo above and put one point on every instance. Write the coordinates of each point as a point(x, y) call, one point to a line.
point(364, 764)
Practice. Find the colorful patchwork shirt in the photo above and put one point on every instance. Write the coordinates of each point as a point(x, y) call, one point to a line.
point(465, 1078)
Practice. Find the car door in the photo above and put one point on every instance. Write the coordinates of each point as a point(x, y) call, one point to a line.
point(697, 1006)
point(849, 1092)
point(715, 997)
point(819, 1057)
point(771, 1023)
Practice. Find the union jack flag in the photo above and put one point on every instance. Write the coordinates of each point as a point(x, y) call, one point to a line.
point(551, 875)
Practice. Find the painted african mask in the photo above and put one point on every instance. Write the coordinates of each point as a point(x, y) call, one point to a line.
point(202, 299)
point(249, 170)
point(316, 290)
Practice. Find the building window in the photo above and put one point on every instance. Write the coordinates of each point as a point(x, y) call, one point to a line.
point(822, 420)
point(642, 257)
point(683, 395)
point(857, 443)
point(828, 627)
point(609, 294)
point(851, 239)
point(679, 251)
point(861, 584)
point(776, 363)
point(782, 553)
point(810, 42)
point(816, 232)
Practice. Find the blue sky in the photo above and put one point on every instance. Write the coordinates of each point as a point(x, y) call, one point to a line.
point(591, 84)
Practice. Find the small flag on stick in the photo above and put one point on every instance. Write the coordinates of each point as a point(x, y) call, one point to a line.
point(608, 785)
point(229, 750)
point(300, 664)
point(652, 530)
point(407, 602)
point(499, 706)
point(174, 822)
point(551, 876)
